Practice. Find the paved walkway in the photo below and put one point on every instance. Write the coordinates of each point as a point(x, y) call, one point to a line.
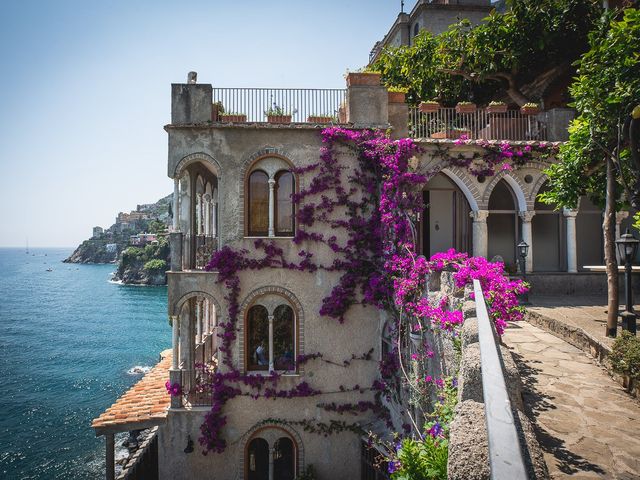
point(588, 313)
point(586, 424)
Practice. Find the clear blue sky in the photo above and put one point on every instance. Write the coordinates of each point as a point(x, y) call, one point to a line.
point(85, 92)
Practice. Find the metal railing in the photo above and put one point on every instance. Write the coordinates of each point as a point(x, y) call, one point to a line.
point(301, 103)
point(505, 453)
point(446, 123)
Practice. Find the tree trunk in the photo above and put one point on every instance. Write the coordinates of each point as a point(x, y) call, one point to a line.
point(609, 228)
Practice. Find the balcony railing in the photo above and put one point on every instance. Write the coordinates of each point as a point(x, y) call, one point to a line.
point(446, 123)
point(304, 105)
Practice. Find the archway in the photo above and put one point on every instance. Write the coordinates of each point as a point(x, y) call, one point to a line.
point(446, 221)
point(549, 237)
point(503, 225)
point(589, 236)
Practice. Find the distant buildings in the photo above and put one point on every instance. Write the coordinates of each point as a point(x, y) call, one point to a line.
point(97, 232)
point(111, 247)
point(142, 239)
point(432, 15)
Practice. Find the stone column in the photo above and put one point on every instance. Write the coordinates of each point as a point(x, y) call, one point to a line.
point(272, 452)
point(175, 245)
point(572, 251)
point(110, 456)
point(207, 214)
point(214, 220)
point(272, 207)
point(480, 235)
point(271, 365)
point(198, 321)
point(175, 331)
point(620, 216)
point(198, 229)
point(527, 236)
point(176, 204)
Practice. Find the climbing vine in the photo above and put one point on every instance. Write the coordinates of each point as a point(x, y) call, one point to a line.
point(369, 206)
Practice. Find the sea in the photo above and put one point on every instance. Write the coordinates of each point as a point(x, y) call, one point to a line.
point(70, 341)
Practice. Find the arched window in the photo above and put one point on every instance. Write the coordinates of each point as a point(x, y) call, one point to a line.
point(271, 336)
point(258, 204)
point(416, 29)
point(272, 449)
point(270, 209)
point(258, 459)
point(284, 460)
point(284, 203)
point(258, 338)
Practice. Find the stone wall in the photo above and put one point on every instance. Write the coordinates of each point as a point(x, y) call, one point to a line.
point(468, 444)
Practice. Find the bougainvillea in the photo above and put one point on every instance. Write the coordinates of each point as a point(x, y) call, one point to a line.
point(371, 220)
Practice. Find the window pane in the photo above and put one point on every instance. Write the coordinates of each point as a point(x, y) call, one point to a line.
point(258, 203)
point(283, 459)
point(283, 344)
point(258, 338)
point(258, 459)
point(284, 205)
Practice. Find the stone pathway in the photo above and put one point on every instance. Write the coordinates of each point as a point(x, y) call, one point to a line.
point(587, 425)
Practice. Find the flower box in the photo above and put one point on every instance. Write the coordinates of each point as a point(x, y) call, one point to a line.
point(239, 117)
point(450, 134)
point(320, 119)
point(396, 97)
point(279, 118)
point(466, 108)
point(367, 79)
point(429, 107)
point(525, 110)
point(501, 108)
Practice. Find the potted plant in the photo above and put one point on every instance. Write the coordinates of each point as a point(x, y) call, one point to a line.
point(465, 107)
point(321, 118)
point(233, 117)
point(497, 107)
point(277, 114)
point(371, 79)
point(396, 94)
point(217, 109)
point(530, 108)
point(430, 106)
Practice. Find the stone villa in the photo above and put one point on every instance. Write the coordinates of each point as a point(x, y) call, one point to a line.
point(233, 180)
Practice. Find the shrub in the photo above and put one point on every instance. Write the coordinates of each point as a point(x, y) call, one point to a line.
point(625, 355)
point(421, 460)
point(155, 265)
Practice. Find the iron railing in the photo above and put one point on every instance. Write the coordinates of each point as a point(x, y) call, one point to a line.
point(301, 103)
point(505, 453)
point(446, 123)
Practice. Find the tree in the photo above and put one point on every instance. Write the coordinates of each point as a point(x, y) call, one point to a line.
point(602, 157)
point(520, 52)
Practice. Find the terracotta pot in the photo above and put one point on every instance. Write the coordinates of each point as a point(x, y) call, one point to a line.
point(450, 134)
point(368, 79)
point(319, 119)
point(466, 108)
point(240, 118)
point(529, 110)
point(429, 107)
point(396, 97)
point(497, 109)
point(279, 118)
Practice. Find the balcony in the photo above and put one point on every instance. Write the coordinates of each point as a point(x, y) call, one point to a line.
point(481, 124)
point(289, 105)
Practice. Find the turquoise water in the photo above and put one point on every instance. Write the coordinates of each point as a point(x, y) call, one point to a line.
point(67, 339)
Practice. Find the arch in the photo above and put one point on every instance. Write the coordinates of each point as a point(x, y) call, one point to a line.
point(536, 188)
point(197, 293)
point(275, 431)
point(464, 184)
point(251, 159)
point(201, 157)
point(516, 185)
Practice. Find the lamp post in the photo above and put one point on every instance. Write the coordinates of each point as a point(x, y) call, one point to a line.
point(628, 249)
point(523, 251)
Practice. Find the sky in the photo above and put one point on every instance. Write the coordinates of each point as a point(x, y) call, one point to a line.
point(85, 92)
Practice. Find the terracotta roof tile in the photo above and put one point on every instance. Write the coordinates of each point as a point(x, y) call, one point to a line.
point(146, 401)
